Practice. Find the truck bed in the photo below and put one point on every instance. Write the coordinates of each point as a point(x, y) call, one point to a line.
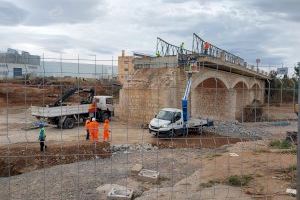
point(47, 112)
point(194, 122)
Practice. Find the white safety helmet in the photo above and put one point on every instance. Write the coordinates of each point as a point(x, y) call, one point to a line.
point(93, 119)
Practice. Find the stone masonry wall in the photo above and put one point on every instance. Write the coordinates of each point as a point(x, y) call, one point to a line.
point(154, 88)
point(141, 99)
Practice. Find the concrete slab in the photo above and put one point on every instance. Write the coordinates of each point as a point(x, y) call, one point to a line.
point(135, 170)
point(148, 175)
point(120, 193)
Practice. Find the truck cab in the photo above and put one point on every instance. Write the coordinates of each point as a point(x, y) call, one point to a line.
point(105, 107)
point(167, 122)
point(104, 103)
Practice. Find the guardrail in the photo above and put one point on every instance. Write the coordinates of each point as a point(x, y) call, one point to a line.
point(164, 48)
point(213, 51)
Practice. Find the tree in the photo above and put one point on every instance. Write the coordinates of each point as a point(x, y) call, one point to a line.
point(297, 69)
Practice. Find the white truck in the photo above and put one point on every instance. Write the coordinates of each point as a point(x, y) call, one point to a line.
point(169, 123)
point(66, 115)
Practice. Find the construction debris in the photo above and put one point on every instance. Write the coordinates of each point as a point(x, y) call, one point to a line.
point(233, 155)
point(291, 136)
point(135, 170)
point(253, 112)
point(148, 175)
point(119, 192)
point(236, 129)
point(292, 192)
point(132, 147)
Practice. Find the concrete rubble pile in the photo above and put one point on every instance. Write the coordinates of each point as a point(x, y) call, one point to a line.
point(236, 129)
point(132, 147)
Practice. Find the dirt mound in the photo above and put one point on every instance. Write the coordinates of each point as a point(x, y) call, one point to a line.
point(253, 112)
point(26, 95)
point(44, 91)
point(20, 158)
point(195, 141)
point(40, 95)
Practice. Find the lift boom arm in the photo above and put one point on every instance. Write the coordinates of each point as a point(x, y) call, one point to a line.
point(185, 99)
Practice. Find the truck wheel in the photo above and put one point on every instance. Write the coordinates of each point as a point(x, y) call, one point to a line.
point(69, 123)
point(105, 116)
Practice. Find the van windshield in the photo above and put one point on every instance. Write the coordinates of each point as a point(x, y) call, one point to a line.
point(165, 115)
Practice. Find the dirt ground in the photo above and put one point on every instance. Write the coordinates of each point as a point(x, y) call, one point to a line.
point(186, 173)
point(38, 91)
point(14, 120)
point(12, 130)
point(196, 167)
point(25, 157)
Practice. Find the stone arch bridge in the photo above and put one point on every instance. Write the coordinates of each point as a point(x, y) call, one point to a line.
point(220, 90)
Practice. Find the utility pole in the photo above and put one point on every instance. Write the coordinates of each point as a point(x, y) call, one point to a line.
point(257, 62)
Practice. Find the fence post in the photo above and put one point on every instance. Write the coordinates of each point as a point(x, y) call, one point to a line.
point(298, 146)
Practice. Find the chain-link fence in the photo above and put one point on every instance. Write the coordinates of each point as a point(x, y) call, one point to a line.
point(238, 142)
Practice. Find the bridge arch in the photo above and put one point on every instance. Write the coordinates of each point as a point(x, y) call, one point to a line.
point(254, 82)
point(210, 98)
point(241, 95)
point(240, 80)
point(256, 92)
point(210, 75)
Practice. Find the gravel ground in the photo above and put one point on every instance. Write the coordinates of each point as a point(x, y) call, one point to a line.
point(80, 180)
point(258, 130)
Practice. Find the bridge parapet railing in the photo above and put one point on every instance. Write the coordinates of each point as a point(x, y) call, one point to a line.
point(214, 51)
point(165, 49)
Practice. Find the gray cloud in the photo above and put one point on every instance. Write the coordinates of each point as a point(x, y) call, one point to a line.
point(10, 14)
point(251, 28)
point(284, 9)
point(43, 13)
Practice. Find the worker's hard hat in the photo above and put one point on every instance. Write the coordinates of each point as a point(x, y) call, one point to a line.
point(93, 119)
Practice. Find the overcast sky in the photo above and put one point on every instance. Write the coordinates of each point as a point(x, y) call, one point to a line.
point(265, 29)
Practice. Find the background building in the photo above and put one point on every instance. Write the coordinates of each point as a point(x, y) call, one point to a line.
point(125, 67)
point(14, 64)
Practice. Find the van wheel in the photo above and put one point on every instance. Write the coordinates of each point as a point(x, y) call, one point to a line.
point(172, 133)
point(69, 123)
point(200, 130)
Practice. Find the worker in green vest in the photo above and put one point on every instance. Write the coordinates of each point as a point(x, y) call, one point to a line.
point(157, 54)
point(42, 137)
point(181, 47)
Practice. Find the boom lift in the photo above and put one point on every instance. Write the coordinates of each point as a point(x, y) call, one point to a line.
point(171, 122)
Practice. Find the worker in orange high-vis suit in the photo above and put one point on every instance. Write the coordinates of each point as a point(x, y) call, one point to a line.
point(206, 47)
point(92, 109)
point(87, 129)
point(106, 130)
point(94, 130)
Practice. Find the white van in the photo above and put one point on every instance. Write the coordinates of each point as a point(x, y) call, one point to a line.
point(169, 123)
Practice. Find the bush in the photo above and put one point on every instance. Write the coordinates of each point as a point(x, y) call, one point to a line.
point(284, 144)
point(239, 180)
point(292, 168)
